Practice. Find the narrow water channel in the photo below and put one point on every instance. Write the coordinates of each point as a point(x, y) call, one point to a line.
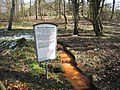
point(75, 77)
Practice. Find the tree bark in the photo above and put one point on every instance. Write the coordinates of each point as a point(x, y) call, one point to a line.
point(56, 8)
point(96, 7)
point(78, 4)
point(65, 14)
point(60, 9)
point(75, 15)
point(11, 15)
point(95, 15)
point(36, 9)
point(113, 9)
point(68, 7)
point(30, 8)
point(39, 10)
point(16, 9)
point(97, 29)
point(22, 8)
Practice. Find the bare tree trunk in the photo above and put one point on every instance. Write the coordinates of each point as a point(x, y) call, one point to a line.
point(113, 9)
point(0, 7)
point(68, 7)
point(97, 28)
point(16, 9)
point(39, 10)
point(56, 8)
point(65, 14)
point(97, 25)
point(96, 7)
point(30, 8)
point(36, 9)
point(11, 15)
point(60, 1)
point(22, 8)
point(78, 4)
point(75, 14)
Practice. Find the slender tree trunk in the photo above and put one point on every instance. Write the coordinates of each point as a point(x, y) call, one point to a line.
point(0, 7)
point(16, 9)
point(11, 15)
point(68, 7)
point(30, 8)
point(60, 9)
point(97, 25)
point(39, 10)
point(36, 9)
point(56, 8)
point(75, 14)
point(22, 8)
point(113, 9)
point(97, 29)
point(78, 4)
point(65, 14)
point(96, 7)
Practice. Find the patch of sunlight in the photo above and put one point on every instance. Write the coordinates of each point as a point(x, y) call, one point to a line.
point(85, 27)
point(21, 27)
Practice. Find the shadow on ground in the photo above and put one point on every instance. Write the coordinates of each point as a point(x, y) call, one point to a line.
point(100, 56)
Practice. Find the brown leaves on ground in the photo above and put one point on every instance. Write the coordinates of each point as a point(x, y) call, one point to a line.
point(98, 57)
point(17, 85)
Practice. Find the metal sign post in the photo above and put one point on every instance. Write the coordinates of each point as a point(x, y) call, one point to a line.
point(46, 42)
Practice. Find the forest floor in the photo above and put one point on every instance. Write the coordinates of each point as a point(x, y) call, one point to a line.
point(97, 57)
point(19, 69)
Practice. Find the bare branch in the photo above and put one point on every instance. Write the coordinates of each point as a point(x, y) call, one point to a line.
point(101, 8)
point(53, 8)
point(58, 12)
point(82, 11)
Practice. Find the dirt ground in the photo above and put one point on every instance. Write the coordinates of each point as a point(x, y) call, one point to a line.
point(97, 57)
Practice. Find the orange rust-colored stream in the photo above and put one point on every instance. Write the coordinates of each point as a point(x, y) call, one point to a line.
point(76, 78)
